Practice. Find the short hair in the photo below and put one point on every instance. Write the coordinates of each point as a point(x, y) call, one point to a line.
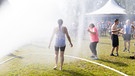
point(116, 20)
point(60, 21)
point(92, 25)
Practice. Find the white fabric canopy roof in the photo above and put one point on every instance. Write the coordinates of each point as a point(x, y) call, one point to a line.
point(111, 7)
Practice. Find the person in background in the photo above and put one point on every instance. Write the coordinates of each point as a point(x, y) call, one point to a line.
point(109, 29)
point(94, 39)
point(127, 33)
point(60, 42)
point(114, 37)
point(133, 30)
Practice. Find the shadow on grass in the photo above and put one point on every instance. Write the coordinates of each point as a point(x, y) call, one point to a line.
point(104, 43)
point(66, 72)
point(75, 73)
point(114, 62)
point(13, 55)
point(127, 57)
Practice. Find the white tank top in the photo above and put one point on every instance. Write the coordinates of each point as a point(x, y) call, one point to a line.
point(60, 38)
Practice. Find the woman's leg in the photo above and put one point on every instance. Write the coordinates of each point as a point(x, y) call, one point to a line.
point(56, 57)
point(62, 49)
point(61, 59)
point(91, 48)
point(94, 48)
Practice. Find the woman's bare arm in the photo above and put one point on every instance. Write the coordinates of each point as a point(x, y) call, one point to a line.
point(54, 31)
point(68, 37)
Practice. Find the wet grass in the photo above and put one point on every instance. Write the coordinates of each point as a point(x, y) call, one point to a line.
point(76, 68)
point(42, 65)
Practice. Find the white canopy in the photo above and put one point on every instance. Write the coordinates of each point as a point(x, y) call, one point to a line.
point(111, 7)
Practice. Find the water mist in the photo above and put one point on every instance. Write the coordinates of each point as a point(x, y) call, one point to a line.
point(26, 22)
point(31, 22)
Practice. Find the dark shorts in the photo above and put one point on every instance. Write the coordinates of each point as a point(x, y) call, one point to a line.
point(115, 40)
point(61, 48)
point(127, 37)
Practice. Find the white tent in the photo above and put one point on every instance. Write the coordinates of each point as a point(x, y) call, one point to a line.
point(111, 7)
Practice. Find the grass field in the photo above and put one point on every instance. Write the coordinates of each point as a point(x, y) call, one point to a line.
point(33, 60)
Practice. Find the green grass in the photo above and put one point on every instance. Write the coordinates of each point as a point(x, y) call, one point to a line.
point(77, 68)
point(42, 65)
